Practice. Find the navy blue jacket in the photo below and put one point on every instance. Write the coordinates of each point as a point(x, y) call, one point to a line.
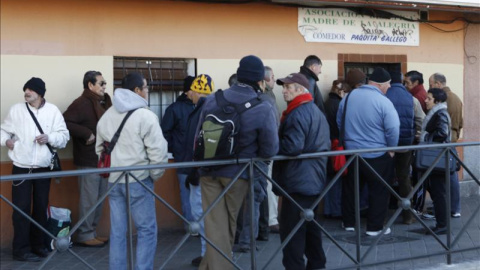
point(403, 102)
point(174, 124)
point(313, 89)
point(258, 132)
point(304, 130)
point(190, 134)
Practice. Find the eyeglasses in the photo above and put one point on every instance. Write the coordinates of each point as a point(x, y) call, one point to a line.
point(103, 83)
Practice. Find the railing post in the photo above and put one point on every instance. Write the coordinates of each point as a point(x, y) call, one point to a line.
point(129, 224)
point(449, 206)
point(357, 207)
point(253, 244)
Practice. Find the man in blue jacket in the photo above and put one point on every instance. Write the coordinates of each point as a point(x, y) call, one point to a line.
point(174, 126)
point(403, 102)
point(303, 129)
point(257, 138)
point(371, 121)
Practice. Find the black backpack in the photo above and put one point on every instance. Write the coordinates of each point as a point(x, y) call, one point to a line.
point(217, 138)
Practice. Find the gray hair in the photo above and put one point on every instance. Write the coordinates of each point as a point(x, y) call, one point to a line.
point(439, 77)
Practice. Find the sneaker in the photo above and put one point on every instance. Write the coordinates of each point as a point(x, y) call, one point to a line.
point(348, 229)
point(456, 215)
point(427, 216)
point(375, 233)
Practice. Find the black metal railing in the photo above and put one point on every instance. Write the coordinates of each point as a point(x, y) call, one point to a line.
point(358, 259)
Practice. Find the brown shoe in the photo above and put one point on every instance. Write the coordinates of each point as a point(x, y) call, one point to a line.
point(274, 229)
point(91, 243)
point(102, 239)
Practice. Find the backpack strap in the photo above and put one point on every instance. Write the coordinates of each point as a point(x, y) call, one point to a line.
point(239, 107)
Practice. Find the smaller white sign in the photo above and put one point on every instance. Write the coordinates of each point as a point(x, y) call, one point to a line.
point(346, 26)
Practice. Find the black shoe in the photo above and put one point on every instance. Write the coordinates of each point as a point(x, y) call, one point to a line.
point(438, 230)
point(41, 252)
point(196, 262)
point(26, 257)
point(262, 237)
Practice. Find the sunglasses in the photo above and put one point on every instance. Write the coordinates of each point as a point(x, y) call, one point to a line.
point(103, 83)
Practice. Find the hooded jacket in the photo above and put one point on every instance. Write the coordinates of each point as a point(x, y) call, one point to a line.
point(174, 124)
point(313, 89)
point(19, 125)
point(141, 141)
point(257, 136)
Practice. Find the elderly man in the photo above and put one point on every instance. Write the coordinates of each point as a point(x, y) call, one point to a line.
point(28, 148)
point(303, 129)
point(82, 117)
point(370, 121)
point(257, 137)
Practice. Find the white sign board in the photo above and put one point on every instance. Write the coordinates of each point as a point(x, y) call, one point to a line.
point(346, 26)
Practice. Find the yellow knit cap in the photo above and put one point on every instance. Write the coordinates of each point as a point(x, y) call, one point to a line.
point(203, 84)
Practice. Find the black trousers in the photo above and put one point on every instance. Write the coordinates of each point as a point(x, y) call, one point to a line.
point(378, 195)
point(308, 239)
point(435, 184)
point(25, 234)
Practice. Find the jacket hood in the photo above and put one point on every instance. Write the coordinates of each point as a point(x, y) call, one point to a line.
point(125, 100)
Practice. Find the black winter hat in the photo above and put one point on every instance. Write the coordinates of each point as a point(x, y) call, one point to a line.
point(37, 85)
point(251, 69)
point(187, 83)
point(380, 75)
point(396, 77)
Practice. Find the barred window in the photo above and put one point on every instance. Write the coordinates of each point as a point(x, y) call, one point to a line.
point(164, 76)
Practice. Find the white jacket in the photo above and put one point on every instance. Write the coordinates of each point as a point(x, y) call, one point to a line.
point(141, 141)
point(19, 125)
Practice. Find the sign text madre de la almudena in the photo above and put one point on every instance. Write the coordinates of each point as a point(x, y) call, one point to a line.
point(345, 26)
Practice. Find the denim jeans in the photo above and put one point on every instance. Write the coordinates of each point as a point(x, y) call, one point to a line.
point(258, 196)
point(197, 212)
point(454, 193)
point(143, 215)
point(184, 197)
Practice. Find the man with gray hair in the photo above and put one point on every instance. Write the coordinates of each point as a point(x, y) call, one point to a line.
point(269, 208)
point(370, 121)
point(303, 129)
point(454, 108)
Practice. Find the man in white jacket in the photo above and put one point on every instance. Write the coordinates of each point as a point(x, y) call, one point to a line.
point(28, 150)
point(141, 142)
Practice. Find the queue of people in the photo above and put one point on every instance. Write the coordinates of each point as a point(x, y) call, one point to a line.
point(384, 110)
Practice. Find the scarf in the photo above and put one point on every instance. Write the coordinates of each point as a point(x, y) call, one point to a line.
point(100, 104)
point(297, 101)
point(436, 108)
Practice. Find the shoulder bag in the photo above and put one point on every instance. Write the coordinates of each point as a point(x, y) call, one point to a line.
point(105, 158)
point(337, 145)
point(55, 160)
point(424, 158)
